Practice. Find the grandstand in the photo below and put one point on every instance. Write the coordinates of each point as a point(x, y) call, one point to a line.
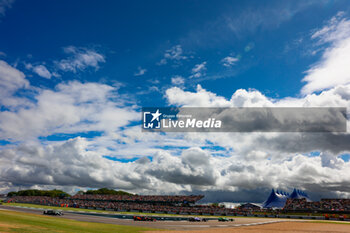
point(134, 203)
point(324, 205)
point(297, 201)
point(249, 207)
point(140, 198)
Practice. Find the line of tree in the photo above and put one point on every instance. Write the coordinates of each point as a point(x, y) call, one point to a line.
point(60, 193)
point(36, 192)
point(106, 191)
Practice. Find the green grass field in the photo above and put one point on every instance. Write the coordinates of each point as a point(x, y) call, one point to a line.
point(66, 208)
point(11, 221)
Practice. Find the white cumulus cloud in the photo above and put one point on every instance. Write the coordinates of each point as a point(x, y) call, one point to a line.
point(198, 70)
point(40, 70)
point(11, 80)
point(4, 5)
point(229, 61)
point(140, 71)
point(173, 54)
point(70, 108)
point(80, 59)
point(333, 69)
point(177, 80)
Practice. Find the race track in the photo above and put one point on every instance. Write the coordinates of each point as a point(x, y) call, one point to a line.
point(169, 225)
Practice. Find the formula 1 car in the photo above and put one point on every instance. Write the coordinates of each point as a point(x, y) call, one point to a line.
point(53, 212)
point(225, 220)
point(143, 218)
point(196, 219)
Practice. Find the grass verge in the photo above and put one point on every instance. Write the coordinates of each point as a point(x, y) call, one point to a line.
point(11, 221)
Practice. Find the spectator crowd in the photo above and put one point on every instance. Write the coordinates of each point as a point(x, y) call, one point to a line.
point(323, 205)
point(170, 204)
point(140, 198)
point(142, 203)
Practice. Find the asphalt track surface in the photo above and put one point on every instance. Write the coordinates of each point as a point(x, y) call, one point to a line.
point(169, 225)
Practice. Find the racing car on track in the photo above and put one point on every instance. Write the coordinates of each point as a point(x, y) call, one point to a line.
point(196, 219)
point(225, 220)
point(143, 218)
point(53, 212)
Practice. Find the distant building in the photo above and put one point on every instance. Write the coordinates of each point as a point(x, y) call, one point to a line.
point(249, 207)
point(3, 197)
point(299, 194)
point(277, 199)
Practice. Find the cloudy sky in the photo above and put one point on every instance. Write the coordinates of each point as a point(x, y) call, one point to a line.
point(75, 75)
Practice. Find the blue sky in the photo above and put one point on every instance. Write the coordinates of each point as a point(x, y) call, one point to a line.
point(74, 76)
point(137, 34)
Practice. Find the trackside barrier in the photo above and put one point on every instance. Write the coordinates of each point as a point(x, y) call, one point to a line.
point(124, 216)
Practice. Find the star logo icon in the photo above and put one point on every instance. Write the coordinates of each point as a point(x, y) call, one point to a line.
point(152, 119)
point(156, 115)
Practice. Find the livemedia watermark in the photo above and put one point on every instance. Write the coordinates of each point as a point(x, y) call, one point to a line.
point(191, 119)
